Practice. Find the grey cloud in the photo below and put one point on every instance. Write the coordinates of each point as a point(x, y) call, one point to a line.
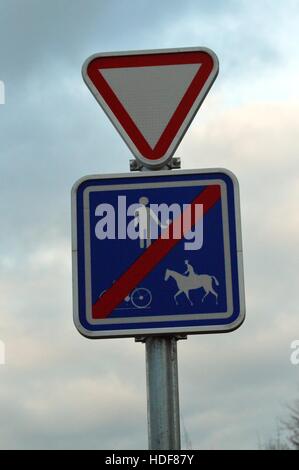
point(52, 132)
point(97, 416)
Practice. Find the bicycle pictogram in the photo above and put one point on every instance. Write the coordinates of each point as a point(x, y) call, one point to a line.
point(139, 298)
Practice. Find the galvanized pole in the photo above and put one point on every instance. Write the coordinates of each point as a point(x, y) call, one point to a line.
point(162, 393)
point(163, 409)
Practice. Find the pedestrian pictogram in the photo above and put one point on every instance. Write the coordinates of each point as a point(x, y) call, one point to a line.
point(144, 218)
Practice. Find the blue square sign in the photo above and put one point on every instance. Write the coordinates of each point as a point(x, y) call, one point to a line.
point(157, 253)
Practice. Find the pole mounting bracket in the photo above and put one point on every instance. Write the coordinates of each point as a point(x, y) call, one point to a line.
point(173, 164)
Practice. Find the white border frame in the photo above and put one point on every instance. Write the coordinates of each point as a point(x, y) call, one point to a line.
point(159, 163)
point(199, 329)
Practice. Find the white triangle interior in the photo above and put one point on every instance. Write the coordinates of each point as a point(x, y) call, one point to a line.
point(151, 95)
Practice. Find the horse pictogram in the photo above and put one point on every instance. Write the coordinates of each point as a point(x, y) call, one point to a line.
point(192, 281)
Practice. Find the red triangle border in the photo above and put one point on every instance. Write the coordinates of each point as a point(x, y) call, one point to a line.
point(202, 58)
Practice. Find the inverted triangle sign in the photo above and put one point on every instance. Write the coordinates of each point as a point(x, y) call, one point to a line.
point(151, 97)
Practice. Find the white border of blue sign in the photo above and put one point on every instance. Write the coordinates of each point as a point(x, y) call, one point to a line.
point(214, 328)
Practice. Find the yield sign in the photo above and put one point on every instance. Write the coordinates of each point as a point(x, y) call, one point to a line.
point(151, 97)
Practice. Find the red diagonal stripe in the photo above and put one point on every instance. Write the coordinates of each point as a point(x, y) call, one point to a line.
point(149, 259)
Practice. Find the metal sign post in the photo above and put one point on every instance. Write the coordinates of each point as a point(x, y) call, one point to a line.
point(163, 410)
point(157, 255)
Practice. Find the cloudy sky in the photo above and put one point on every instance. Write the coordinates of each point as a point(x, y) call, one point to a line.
point(59, 390)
